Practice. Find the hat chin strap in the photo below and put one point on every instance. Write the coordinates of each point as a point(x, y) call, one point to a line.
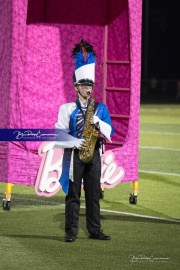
point(82, 95)
point(89, 93)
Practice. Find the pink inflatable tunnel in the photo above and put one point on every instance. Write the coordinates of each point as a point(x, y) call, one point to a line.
point(36, 70)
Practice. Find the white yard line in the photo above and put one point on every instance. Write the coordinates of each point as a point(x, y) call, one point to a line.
point(102, 210)
point(159, 148)
point(142, 216)
point(158, 132)
point(163, 173)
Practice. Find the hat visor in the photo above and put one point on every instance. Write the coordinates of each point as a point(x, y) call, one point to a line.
point(85, 82)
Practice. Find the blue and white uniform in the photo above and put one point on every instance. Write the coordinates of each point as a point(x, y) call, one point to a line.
point(71, 117)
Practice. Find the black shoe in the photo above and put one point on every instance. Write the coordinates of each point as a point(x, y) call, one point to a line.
point(99, 235)
point(70, 238)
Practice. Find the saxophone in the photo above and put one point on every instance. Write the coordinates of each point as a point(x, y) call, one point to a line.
point(90, 134)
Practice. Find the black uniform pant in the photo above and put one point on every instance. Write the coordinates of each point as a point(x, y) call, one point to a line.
point(90, 173)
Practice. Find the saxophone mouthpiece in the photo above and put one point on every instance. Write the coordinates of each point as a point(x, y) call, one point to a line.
point(88, 93)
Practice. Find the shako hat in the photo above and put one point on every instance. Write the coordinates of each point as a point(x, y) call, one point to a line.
point(85, 59)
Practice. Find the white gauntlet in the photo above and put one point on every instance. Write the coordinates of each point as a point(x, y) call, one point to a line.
point(104, 127)
point(95, 119)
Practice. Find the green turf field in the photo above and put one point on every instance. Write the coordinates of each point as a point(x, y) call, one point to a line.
point(144, 236)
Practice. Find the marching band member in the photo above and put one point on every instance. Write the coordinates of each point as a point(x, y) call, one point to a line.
point(84, 119)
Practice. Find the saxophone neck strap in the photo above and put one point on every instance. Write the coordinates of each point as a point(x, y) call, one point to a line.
point(80, 108)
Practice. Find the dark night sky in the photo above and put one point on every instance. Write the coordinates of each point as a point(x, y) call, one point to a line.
point(163, 46)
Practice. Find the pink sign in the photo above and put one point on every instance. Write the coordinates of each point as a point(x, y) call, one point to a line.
point(47, 182)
